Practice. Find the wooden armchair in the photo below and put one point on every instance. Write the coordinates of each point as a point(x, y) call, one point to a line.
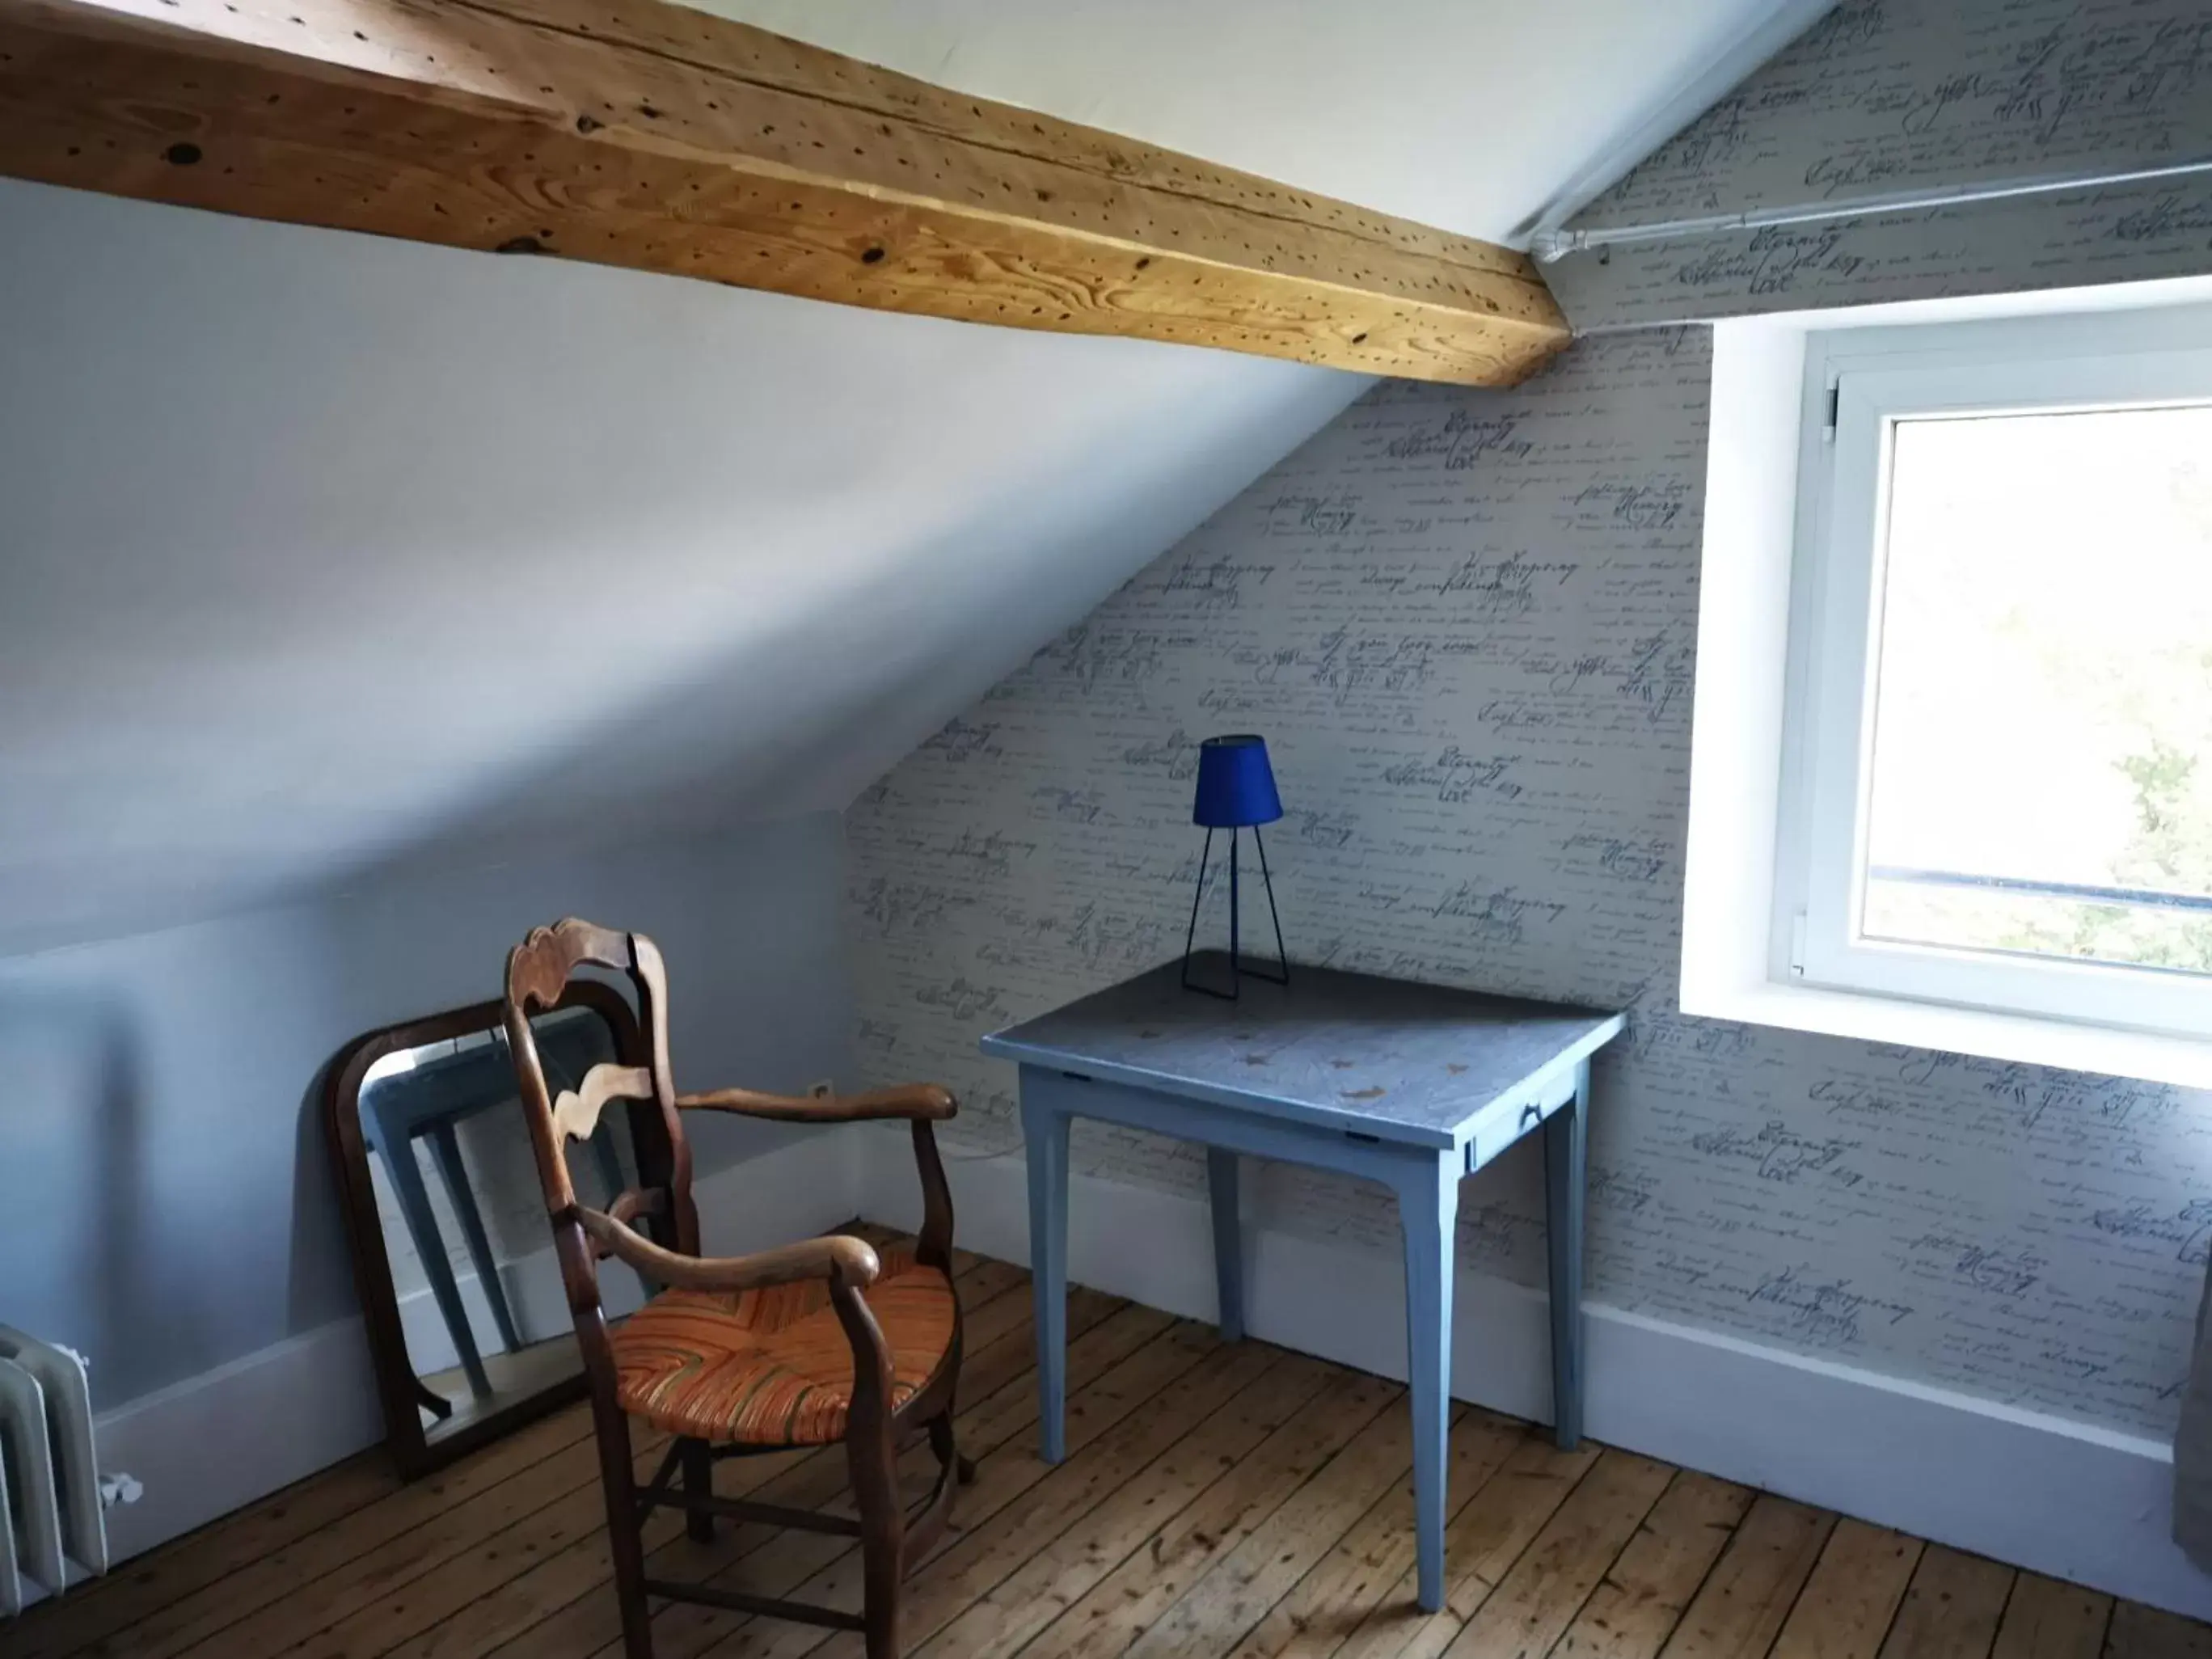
point(805, 1345)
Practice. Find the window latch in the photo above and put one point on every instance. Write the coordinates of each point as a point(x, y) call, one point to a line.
point(1797, 944)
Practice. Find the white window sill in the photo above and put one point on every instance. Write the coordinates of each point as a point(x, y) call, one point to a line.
point(2014, 1038)
point(1729, 936)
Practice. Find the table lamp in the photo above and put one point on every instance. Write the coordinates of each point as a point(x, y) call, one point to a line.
point(1236, 792)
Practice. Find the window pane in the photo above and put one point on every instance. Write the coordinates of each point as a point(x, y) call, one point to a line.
point(2041, 778)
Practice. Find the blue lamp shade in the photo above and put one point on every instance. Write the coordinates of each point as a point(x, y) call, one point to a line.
point(1236, 785)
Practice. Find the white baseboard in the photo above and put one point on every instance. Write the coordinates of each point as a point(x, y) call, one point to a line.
point(215, 1443)
point(2036, 1492)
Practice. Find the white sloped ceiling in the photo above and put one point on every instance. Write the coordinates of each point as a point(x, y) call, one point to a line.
point(319, 552)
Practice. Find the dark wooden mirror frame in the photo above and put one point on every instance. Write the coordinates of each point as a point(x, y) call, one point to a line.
point(412, 1450)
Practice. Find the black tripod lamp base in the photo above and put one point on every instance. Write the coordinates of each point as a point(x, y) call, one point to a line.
point(1240, 967)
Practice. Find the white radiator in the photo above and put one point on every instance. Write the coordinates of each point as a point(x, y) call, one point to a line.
point(52, 1498)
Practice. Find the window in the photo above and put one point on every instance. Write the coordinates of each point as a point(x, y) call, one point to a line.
point(1995, 786)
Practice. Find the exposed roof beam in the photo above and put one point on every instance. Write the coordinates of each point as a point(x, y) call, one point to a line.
point(636, 133)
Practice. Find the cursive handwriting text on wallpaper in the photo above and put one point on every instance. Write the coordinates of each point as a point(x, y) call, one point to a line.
point(1466, 622)
point(1886, 101)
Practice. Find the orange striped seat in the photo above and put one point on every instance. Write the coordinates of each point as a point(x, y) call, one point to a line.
point(773, 1367)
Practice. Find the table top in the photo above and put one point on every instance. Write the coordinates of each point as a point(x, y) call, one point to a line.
point(1392, 1058)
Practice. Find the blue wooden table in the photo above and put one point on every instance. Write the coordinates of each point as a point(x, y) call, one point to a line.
point(1416, 1086)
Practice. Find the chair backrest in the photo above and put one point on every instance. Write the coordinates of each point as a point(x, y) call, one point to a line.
point(538, 973)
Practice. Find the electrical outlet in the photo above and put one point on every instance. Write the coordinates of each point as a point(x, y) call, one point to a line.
point(823, 1090)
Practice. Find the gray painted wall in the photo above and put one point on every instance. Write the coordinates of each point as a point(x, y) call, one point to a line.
point(319, 550)
point(165, 1197)
point(1885, 98)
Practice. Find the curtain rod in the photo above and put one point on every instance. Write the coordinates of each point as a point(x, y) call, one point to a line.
point(1549, 245)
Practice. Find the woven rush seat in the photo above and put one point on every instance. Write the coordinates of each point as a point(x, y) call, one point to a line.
point(773, 1367)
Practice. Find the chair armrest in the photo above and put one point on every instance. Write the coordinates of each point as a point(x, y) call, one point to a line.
point(633, 1201)
point(923, 1102)
point(838, 1258)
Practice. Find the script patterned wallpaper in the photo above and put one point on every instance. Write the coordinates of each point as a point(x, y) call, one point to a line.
point(1884, 100)
point(1465, 620)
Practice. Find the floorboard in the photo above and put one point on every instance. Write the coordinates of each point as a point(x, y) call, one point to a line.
point(1130, 1522)
point(1639, 1602)
point(1184, 1373)
point(1370, 1562)
point(1286, 1519)
point(2141, 1633)
point(155, 1582)
point(1846, 1605)
point(1738, 1611)
point(1531, 1609)
point(1951, 1608)
point(1481, 1544)
point(2046, 1619)
point(1216, 1500)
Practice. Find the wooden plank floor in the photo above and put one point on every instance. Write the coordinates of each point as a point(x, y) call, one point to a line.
point(1216, 1500)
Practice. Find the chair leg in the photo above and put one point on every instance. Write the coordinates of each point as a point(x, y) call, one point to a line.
point(625, 1535)
point(947, 1452)
point(874, 1468)
point(698, 1482)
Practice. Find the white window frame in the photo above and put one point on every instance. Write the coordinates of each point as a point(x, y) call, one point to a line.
point(1868, 385)
point(1745, 863)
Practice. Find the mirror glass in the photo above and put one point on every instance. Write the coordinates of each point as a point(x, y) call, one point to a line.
point(444, 1191)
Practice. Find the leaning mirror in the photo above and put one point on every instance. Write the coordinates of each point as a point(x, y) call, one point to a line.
point(469, 1328)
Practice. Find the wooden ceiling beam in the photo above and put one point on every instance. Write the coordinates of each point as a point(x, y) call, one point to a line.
point(654, 136)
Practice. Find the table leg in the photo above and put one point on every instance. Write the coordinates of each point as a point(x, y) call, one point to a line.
point(1045, 1133)
point(1228, 1242)
point(430, 1250)
point(1428, 1212)
point(1566, 1149)
point(446, 1147)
